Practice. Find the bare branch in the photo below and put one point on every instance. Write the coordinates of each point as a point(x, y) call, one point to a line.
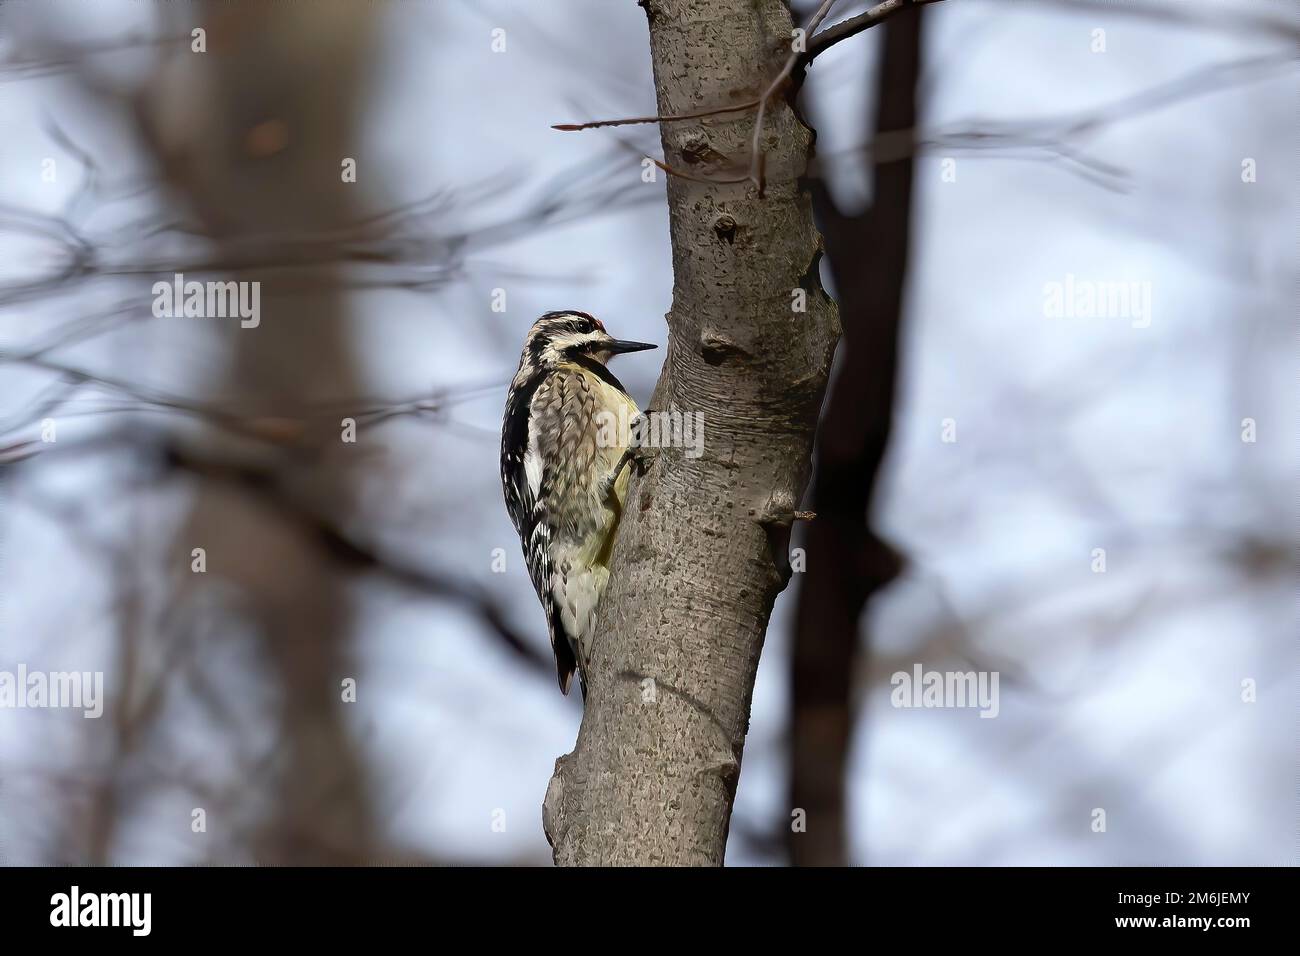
point(632, 120)
point(855, 25)
point(796, 59)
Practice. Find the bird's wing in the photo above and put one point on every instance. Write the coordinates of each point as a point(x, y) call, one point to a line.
point(523, 479)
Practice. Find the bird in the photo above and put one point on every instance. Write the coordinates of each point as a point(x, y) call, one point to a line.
point(563, 458)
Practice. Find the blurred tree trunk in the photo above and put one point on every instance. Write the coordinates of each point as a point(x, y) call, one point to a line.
point(253, 133)
point(847, 561)
point(703, 548)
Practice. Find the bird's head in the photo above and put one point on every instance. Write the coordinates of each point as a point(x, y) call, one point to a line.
point(559, 337)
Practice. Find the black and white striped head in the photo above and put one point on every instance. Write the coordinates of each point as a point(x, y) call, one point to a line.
point(559, 337)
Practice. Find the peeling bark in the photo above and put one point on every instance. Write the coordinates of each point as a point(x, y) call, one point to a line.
point(701, 553)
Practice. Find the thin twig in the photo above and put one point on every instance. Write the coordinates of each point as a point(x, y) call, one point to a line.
point(707, 180)
point(632, 120)
point(855, 25)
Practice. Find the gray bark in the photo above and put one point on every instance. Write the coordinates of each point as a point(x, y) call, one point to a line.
point(703, 547)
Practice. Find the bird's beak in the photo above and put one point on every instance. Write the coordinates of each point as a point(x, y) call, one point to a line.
point(619, 346)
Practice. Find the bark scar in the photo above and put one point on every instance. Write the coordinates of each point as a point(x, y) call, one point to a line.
point(716, 348)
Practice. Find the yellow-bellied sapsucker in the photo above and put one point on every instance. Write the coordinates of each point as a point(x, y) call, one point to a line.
point(562, 467)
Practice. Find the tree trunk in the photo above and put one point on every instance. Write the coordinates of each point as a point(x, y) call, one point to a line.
point(847, 560)
point(703, 547)
point(253, 133)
